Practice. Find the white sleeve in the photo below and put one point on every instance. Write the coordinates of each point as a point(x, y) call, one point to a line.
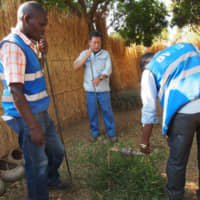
point(148, 95)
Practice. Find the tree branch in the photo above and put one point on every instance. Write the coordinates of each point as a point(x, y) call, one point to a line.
point(73, 7)
point(104, 8)
point(83, 6)
point(94, 7)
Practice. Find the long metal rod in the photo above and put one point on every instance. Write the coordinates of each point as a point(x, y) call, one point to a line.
point(57, 117)
point(95, 91)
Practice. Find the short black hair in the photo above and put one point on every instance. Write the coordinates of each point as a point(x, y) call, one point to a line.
point(95, 34)
point(30, 7)
point(143, 60)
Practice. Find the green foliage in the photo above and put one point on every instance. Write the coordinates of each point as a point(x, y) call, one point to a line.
point(125, 100)
point(139, 21)
point(127, 178)
point(186, 12)
point(60, 4)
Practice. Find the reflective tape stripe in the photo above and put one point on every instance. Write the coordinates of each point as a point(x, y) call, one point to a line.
point(34, 97)
point(33, 76)
point(7, 118)
point(183, 75)
point(27, 77)
point(2, 76)
point(170, 69)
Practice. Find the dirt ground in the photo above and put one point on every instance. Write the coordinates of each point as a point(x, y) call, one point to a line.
point(128, 128)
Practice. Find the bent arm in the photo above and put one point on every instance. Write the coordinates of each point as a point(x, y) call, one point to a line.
point(108, 67)
point(21, 104)
point(148, 94)
point(79, 63)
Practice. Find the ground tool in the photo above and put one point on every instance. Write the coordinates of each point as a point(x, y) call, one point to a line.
point(92, 72)
point(57, 117)
point(95, 91)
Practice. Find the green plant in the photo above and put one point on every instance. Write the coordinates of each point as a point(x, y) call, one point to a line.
point(125, 100)
point(127, 177)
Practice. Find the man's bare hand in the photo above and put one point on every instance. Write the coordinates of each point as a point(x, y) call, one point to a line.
point(146, 150)
point(43, 45)
point(37, 136)
point(96, 82)
point(88, 53)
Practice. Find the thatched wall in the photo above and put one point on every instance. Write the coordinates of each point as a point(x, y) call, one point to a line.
point(67, 37)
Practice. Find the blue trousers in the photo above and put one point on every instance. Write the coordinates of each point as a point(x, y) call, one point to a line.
point(41, 162)
point(103, 98)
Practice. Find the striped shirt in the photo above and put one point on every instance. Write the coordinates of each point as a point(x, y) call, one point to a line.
point(13, 59)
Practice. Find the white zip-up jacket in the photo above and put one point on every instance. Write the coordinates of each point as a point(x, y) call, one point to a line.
point(95, 65)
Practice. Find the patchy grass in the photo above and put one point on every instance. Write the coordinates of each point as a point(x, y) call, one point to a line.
point(127, 177)
point(125, 100)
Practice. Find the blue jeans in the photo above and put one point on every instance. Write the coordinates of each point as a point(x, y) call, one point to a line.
point(41, 162)
point(103, 98)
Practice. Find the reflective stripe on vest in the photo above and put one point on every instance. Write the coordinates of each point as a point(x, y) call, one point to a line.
point(170, 69)
point(34, 97)
point(27, 77)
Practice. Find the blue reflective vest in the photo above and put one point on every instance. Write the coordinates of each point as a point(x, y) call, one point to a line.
point(34, 82)
point(177, 74)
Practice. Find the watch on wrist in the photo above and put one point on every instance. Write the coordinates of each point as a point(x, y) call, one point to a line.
point(144, 146)
point(101, 77)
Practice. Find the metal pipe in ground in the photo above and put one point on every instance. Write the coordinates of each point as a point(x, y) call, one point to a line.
point(95, 91)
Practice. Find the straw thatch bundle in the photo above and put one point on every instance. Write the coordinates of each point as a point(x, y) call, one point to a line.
point(158, 46)
point(67, 36)
point(125, 62)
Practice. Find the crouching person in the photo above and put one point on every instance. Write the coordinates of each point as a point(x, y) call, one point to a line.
point(173, 75)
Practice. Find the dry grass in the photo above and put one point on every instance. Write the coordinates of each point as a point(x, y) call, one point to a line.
point(158, 46)
point(126, 73)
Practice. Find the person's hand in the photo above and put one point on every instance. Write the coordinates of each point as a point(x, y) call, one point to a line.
point(37, 136)
point(88, 53)
point(145, 149)
point(43, 45)
point(96, 81)
point(145, 139)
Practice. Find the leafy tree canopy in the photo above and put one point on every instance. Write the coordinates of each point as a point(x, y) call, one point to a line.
point(186, 12)
point(140, 21)
point(90, 9)
point(137, 21)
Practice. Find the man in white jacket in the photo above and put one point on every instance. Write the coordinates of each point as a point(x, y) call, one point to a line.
point(97, 70)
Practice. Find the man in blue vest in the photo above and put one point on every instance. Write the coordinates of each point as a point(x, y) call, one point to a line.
point(173, 75)
point(25, 101)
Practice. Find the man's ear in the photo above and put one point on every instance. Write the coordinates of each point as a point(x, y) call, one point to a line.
point(26, 19)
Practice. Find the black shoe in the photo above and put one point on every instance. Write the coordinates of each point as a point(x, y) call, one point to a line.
point(170, 196)
point(198, 194)
point(60, 186)
point(93, 139)
point(167, 197)
point(113, 139)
